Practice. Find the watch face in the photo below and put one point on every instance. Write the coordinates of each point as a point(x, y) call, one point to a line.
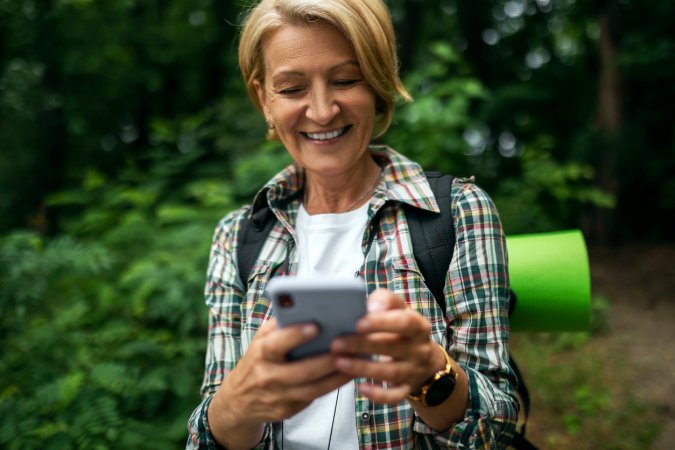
point(440, 390)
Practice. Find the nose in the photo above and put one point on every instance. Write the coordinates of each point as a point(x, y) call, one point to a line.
point(322, 107)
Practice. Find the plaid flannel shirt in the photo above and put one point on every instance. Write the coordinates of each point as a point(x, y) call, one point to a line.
point(474, 328)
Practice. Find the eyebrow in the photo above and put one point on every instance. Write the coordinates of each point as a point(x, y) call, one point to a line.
point(297, 73)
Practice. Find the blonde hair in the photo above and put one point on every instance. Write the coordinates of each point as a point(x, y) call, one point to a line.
point(365, 23)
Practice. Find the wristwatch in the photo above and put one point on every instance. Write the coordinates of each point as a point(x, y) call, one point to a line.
point(439, 387)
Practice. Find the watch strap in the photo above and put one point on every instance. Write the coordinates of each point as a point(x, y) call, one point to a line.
point(420, 395)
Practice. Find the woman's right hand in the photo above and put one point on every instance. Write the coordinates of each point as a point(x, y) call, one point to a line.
point(265, 387)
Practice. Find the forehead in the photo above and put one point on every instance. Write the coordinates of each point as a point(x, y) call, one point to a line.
point(303, 48)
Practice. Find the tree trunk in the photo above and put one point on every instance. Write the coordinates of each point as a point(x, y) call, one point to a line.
point(608, 121)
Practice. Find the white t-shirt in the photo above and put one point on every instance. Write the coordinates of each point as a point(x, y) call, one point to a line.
point(328, 244)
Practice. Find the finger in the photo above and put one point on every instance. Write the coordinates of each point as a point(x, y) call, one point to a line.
point(289, 401)
point(390, 344)
point(406, 322)
point(266, 328)
point(398, 359)
point(371, 343)
point(321, 387)
point(384, 300)
point(277, 344)
point(304, 371)
point(396, 372)
point(389, 395)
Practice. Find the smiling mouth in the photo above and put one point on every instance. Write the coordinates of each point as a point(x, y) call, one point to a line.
point(327, 136)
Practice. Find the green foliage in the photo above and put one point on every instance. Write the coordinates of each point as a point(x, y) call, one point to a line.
point(102, 328)
point(437, 130)
point(429, 129)
point(547, 193)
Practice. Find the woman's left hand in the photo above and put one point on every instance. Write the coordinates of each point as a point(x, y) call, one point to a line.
point(408, 356)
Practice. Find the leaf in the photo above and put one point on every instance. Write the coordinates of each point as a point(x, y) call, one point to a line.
point(170, 214)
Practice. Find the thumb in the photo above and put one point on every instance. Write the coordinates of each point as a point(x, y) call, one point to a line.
point(384, 300)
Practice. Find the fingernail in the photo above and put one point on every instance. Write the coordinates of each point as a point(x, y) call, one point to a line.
point(309, 330)
point(338, 345)
point(375, 306)
point(363, 325)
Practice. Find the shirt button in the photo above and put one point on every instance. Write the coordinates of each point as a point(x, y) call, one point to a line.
point(365, 417)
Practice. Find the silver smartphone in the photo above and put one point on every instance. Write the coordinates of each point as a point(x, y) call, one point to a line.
point(333, 304)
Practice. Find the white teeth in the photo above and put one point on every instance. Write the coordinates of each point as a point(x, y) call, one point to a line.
point(326, 136)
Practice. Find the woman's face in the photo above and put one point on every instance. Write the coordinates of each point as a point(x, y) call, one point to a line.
point(317, 98)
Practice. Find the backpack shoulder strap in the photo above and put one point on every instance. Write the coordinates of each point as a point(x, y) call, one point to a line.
point(253, 232)
point(433, 236)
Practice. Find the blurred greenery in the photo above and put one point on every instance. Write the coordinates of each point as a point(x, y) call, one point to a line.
point(126, 133)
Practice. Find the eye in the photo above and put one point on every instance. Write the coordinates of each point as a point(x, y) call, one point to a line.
point(289, 91)
point(347, 82)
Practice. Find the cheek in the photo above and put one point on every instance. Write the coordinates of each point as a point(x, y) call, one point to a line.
point(366, 111)
point(284, 114)
point(364, 103)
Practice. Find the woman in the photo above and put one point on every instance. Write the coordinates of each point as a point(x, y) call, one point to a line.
point(324, 74)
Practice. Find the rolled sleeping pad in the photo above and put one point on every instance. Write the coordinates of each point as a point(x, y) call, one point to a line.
point(551, 278)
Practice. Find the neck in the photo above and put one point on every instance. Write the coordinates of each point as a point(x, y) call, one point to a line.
point(341, 193)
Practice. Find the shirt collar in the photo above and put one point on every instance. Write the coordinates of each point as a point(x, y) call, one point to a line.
point(403, 180)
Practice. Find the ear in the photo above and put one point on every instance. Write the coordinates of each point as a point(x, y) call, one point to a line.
point(262, 97)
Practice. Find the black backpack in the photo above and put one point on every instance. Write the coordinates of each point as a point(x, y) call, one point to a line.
point(433, 240)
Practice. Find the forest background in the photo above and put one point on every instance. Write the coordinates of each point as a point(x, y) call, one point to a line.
point(126, 133)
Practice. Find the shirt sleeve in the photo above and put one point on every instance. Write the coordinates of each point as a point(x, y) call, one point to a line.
point(477, 293)
point(223, 295)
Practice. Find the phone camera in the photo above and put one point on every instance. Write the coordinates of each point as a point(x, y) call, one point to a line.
point(285, 301)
